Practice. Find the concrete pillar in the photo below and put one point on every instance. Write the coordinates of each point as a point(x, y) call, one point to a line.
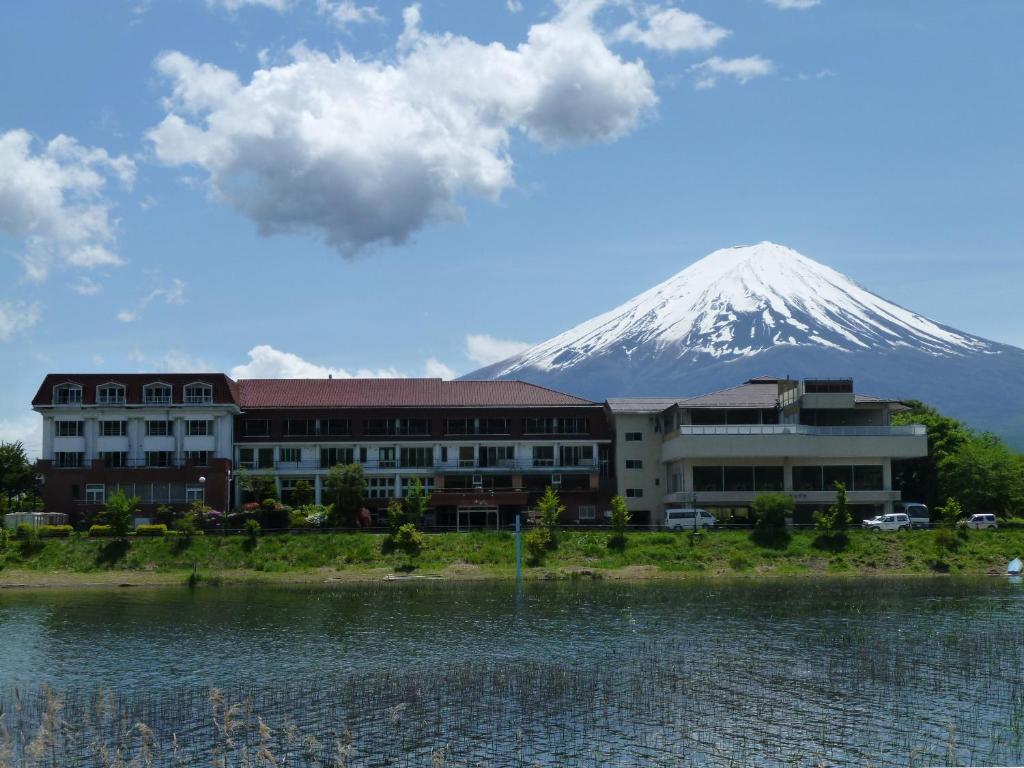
point(318, 489)
point(48, 438)
point(179, 439)
point(787, 475)
point(90, 429)
point(136, 438)
point(398, 486)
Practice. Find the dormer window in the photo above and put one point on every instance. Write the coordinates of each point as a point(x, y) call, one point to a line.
point(198, 394)
point(67, 394)
point(156, 394)
point(110, 394)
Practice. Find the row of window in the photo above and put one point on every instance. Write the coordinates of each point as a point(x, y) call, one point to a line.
point(119, 459)
point(147, 493)
point(489, 456)
point(119, 428)
point(255, 427)
point(152, 394)
point(866, 477)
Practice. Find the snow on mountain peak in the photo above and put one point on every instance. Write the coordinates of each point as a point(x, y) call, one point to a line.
point(744, 300)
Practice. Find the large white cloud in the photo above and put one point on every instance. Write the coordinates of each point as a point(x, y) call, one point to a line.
point(53, 201)
point(361, 151)
point(484, 349)
point(266, 362)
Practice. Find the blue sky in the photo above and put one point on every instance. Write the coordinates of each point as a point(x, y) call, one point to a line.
point(403, 188)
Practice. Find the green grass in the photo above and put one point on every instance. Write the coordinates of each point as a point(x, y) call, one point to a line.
point(722, 552)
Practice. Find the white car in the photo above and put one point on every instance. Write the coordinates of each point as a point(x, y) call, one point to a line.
point(898, 521)
point(982, 521)
point(688, 519)
point(919, 515)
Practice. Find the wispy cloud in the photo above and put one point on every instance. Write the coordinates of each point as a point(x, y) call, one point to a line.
point(672, 30)
point(742, 70)
point(86, 286)
point(794, 5)
point(345, 13)
point(484, 349)
point(17, 316)
point(172, 294)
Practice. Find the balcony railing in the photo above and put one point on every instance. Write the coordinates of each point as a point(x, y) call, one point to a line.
point(908, 430)
point(452, 465)
point(800, 497)
point(198, 400)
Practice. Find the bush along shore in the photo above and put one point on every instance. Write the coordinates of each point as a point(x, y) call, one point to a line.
point(250, 555)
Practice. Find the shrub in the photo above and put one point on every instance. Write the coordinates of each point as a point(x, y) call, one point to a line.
point(55, 531)
point(119, 513)
point(296, 519)
point(165, 515)
point(315, 515)
point(620, 519)
point(771, 510)
point(158, 529)
point(97, 531)
point(5, 540)
point(24, 531)
point(186, 526)
point(252, 529)
point(408, 540)
point(395, 517)
point(538, 541)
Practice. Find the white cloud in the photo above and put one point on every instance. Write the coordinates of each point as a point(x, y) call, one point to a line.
point(484, 349)
point(435, 369)
point(53, 201)
point(172, 294)
point(365, 151)
point(236, 5)
point(86, 286)
point(345, 12)
point(672, 30)
point(17, 316)
point(743, 70)
point(514, 6)
point(265, 362)
point(26, 429)
point(176, 361)
point(788, 5)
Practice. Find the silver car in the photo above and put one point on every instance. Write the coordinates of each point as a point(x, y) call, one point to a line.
point(688, 519)
point(982, 521)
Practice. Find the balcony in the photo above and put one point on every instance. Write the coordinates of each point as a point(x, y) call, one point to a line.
point(744, 498)
point(453, 465)
point(795, 440)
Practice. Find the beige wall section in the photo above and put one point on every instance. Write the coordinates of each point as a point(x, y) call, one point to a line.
point(794, 445)
point(648, 450)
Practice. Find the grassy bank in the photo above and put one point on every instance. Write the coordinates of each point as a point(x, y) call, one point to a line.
point(488, 554)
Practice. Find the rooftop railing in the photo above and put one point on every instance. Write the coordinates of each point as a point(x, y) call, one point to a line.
point(908, 430)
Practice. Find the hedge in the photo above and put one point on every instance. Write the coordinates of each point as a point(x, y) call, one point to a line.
point(100, 530)
point(55, 531)
point(151, 530)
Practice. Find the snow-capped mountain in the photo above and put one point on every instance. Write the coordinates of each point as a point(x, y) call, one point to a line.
point(767, 309)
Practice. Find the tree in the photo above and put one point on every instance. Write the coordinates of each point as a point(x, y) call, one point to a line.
point(345, 486)
point(620, 519)
point(119, 513)
point(259, 487)
point(550, 508)
point(302, 494)
point(920, 479)
point(417, 502)
point(16, 474)
point(984, 475)
point(771, 510)
point(395, 516)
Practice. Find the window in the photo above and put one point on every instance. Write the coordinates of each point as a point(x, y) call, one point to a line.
point(397, 426)
point(330, 457)
point(634, 493)
point(194, 493)
point(95, 493)
point(543, 455)
point(577, 456)
point(156, 394)
point(291, 455)
point(634, 437)
point(159, 428)
point(768, 478)
point(833, 475)
point(198, 458)
point(256, 458)
point(198, 427)
point(380, 487)
point(256, 427)
point(634, 464)
point(67, 394)
point(427, 483)
point(465, 426)
point(67, 459)
point(807, 479)
point(417, 457)
point(739, 479)
point(114, 459)
point(868, 478)
point(386, 458)
point(110, 394)
point(158, 458)
point(570, 425)
point(68, 428)
point(497, 456)
point(198, 394)
point(708, 479)
point(676, 481)
point(586, 512)
point(113, 428)
point(299, 427)
point(335, 427)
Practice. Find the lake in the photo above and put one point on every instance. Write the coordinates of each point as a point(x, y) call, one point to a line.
point(783, 672)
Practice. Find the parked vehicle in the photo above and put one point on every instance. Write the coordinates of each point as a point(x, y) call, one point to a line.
point(920, 516)
point(982, 521)
point(897, 521)
point(688, 519)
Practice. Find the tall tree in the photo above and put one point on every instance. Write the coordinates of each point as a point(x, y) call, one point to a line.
point(918, 478)
point(345, 486)
point(16, 474)
point(984, 475)
point(417, 502)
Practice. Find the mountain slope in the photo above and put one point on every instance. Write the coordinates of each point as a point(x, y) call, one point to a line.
point(766, 309)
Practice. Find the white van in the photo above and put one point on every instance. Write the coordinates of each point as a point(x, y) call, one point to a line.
point(895, 522)
point(688, 519)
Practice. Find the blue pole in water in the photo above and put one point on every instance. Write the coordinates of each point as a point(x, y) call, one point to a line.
point(519, 561)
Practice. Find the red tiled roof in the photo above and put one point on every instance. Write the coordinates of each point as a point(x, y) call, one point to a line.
point(396, 393)
point(223, 387)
